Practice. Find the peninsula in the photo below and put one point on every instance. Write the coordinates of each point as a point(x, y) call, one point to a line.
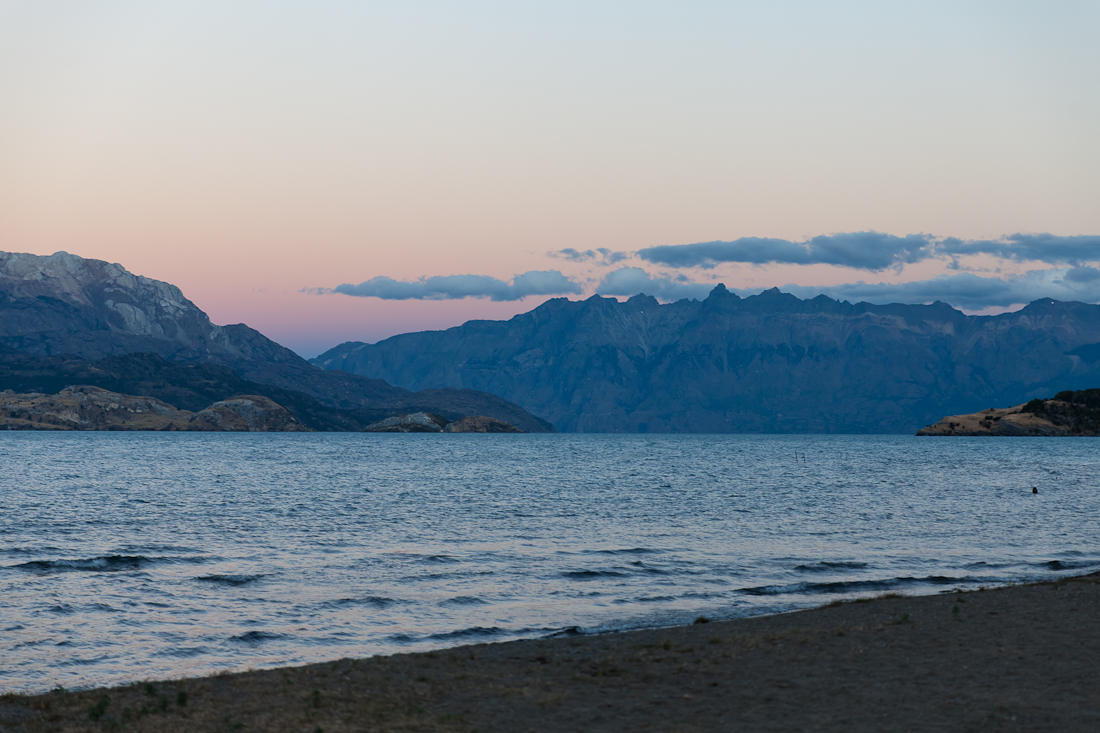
point(1067, 413)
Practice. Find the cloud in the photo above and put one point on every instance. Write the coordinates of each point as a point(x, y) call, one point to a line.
point(861, 250)
point(454, 287)
point(875, 251)
point(634, 280)
point(969, 291)
point(603, 254)
point(1083, 275)
point(1029, 247)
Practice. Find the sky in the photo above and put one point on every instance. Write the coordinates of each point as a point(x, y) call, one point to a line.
point(338, 171)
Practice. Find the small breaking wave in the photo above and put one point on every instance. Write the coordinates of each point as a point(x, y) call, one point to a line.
point(829, 567)
point(372, 601)
point(857, 586)
point(1069, 564)
point(231, 580)
point(103, 563)
point(474, 632)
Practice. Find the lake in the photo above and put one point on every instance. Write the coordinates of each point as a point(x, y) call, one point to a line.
point(128, 556)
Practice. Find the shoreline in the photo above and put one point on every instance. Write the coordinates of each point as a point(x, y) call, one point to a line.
point(1018, 657)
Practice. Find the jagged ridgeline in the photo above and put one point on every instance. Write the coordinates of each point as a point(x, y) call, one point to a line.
point(766, 363)
point(66, 320)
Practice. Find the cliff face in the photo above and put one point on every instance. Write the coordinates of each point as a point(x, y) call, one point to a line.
point(768, 363)
point(64, 304)
point(91, 408)
point(65, 307)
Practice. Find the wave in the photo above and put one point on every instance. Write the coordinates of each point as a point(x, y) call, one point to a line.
point(372, 601)
point(635, 568)
point(642, 567)
point(1068, 564)
point(232, 580)
point(474, 632)
point(982, 565)
point(27, 550)
point(828, 567)
point(644, 599)
point(103, 563)
point(592, 574)
point(256, 637)
point(856, 586)
point(182, 652)
point(464, 601)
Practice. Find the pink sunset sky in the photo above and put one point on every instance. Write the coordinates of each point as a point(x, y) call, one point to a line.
point(262, 154)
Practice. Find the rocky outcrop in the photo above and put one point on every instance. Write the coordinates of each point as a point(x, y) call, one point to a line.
point(65, 306)
point(423, 422)
point(767, 363)
point(1069, 413)
point(84, 407)
point(480, 424)
point(416, 422)
point(248, 413)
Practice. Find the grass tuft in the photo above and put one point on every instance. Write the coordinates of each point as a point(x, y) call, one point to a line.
point(96, 711)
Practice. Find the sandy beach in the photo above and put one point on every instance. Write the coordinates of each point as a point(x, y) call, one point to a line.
point(1021, 658)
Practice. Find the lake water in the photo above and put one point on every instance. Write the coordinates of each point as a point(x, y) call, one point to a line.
point(127, 556)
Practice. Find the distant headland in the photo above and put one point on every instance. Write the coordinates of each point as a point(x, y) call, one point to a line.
point(1068, 413)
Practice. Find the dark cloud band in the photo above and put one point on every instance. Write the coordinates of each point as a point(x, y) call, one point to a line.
point(972, 292)
point(874, 251)
point(454, 287)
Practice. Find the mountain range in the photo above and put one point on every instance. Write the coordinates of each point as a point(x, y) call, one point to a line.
point(767, 363)
point(68, 320)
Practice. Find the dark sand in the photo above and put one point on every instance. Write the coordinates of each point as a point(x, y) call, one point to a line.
point(1024, 658)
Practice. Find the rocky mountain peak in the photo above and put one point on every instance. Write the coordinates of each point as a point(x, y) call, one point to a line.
point(66, 294)
point(142, 303)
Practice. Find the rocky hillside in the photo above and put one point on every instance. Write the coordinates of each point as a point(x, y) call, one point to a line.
point(1068, 413)
point(767, 363)
point(91, 408)
point(69, 308)
point(423, 422)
